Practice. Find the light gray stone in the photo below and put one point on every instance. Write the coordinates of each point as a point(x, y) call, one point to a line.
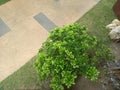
point(115, 33)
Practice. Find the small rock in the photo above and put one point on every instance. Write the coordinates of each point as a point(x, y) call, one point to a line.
point(115, 33)
point(117, 62)
point(116, 21)
point(111, 26)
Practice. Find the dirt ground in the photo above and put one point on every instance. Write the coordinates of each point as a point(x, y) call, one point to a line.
point(85, 84)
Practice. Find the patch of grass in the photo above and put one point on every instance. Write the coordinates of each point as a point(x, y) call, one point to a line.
point(96, 19)
point(3, 1)
point(24, 78)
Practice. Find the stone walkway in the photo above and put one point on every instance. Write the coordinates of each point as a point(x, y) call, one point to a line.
point(26, 34)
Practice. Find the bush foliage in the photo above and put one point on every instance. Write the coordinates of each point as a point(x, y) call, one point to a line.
point(69, 52)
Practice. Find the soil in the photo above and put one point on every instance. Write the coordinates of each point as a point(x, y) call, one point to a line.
point(85, 84)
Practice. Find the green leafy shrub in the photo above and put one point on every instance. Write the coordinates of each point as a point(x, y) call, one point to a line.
point(68, 53)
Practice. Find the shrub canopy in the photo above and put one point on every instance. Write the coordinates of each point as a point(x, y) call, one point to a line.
point(67, 53)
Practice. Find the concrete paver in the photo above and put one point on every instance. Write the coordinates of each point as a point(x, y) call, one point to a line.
point(3, 28)
point(26, 36)
point(43, 20)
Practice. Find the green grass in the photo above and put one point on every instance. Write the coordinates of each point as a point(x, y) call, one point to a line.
point(3, 1)
point(24, 78)
point(96, 20)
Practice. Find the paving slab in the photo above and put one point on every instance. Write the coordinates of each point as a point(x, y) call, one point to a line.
point(26, 36)
point(45, 21)
point(3, 28)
